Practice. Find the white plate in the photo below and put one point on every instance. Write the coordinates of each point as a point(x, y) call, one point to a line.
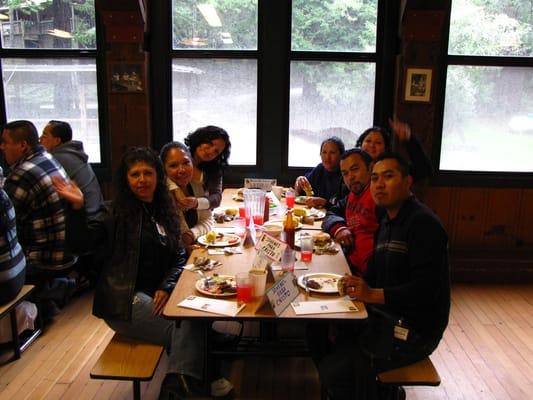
point(229, 239)
point(228, 278)
point(300, 199)
point(327, 280)
point(280, 223)
point(318, 214)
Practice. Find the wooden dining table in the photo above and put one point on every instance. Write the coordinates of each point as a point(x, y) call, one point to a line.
point(257, 309)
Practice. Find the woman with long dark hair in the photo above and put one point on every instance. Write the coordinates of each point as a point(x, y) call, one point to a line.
point(140, 239)
point(210, 149)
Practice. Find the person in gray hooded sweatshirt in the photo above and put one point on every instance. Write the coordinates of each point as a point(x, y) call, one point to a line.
point(57, 139)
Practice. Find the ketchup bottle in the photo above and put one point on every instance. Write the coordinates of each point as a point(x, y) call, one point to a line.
point(289, 227)
point(266, 213)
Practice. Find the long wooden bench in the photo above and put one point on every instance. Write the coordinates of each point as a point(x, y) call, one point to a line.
point(127, 359)
point(11, 309)
point(421, 373)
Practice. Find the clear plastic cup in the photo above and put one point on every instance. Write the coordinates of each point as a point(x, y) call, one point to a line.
point(287, 260)
point(306, 247)
point(244, 287)
point(258, 282)
point(254, 203)
point(290, 197)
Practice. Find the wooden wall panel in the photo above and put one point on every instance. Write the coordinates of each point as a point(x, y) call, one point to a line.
point(500, 225)
point(524, 230)
point(468, 218)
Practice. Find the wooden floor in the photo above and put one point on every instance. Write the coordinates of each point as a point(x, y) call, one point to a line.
point(486, 353)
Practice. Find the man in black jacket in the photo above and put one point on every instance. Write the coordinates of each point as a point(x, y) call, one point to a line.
point(406, 284)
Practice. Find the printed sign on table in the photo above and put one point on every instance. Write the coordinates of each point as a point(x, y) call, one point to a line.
point(282, 293)
point(263, 184)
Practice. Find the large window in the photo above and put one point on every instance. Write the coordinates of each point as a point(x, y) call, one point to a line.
point(330, 97)
point(280, 76)
point(218, 91)
point(48, 66)
point(488, 111)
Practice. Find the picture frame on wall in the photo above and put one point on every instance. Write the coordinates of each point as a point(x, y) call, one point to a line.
point(418, 84)
point(126, 78)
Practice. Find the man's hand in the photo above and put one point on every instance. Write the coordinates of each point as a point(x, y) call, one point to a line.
point(356, 287)
point(160, 299)
point(344, 237)
point(69, 191)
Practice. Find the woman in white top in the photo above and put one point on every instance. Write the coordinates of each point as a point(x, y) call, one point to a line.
point(179, 169)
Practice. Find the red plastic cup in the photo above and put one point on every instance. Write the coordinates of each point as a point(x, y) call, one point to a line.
point(306, 255)
point(289, 199)
point(242, 212)
point(244, 287)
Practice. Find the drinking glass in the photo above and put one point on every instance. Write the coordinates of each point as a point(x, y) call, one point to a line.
point(254, 202)
point(306, 247)
point(244, 287)
point(290, 196)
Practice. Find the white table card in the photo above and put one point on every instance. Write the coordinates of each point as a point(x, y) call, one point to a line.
point(263, 184)
point(323, 307)
point(214, 306)
point(282, 293)
point(271, 247)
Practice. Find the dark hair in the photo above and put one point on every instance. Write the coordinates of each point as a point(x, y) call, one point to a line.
point(125, 202)
point(207, 134)
point(61, 130)
point(173, 145)
point(337, 141)
point(355, 150)
point(23, 130)
point(403, 165)
point(385, 134)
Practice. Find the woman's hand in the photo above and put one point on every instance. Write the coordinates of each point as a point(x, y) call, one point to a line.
point(317, 202)
point(69, 191)
point(302, 185)
point(160, 299)
point(400, 129)
point(187, 238)
point(187, 203)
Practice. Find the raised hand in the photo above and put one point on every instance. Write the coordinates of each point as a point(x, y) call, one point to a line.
point(400, 129)
point(69, 191)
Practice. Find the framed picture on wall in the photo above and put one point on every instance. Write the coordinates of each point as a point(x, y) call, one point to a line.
point(418, 83)
point(127, 77)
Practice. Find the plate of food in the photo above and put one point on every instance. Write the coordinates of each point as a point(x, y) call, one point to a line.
point(320, 282)
point(215, 239)
point(300, 199)
point(321, 243)
point(279, 222)
point(217, 285)
point(239, 196)
point(316, 213)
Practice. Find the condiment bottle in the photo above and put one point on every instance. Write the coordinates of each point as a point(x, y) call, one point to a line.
point(289, 226)
point(266, 213)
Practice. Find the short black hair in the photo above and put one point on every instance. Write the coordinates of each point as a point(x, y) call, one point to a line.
point(163, 154)
point(363, 154)
point(403, 164)
point(61, 130)
point(23, 130)
point(337, 141)
point(385, 134)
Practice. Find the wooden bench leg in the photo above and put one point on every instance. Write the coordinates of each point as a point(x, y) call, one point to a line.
point(136, 390)
point(15, 333)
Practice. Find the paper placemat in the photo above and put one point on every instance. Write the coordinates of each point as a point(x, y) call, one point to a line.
point(323, 307)
point(214, 306)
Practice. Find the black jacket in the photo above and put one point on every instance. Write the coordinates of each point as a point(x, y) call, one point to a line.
point(117, 238)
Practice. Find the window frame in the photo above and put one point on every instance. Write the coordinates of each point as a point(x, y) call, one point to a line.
point(471, 178)
point(274, 56)
point(103, 168)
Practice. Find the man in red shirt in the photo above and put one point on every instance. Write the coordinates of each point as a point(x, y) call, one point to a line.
point(352, 221)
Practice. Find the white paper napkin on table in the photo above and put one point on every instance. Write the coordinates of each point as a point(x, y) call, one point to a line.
point(214, 306)
point(323, 306)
